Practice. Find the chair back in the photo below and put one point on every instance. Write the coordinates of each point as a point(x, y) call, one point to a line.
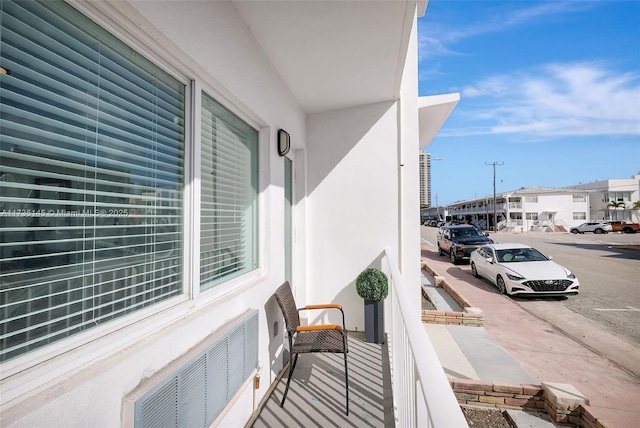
point(284, 296)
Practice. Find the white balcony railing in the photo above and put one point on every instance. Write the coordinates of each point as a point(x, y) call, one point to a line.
point(421, 392)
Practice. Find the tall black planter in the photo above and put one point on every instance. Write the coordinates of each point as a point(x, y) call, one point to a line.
point(374, 321)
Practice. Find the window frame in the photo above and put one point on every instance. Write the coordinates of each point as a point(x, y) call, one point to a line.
point(254, 160)
point(249, 279)
point(47, 363)
point(618, 196)
point(580, 215)
point(179, 105)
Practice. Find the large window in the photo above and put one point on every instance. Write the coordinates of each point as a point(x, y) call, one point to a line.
point(617, 197)
point(229, 195)
point(91, 177)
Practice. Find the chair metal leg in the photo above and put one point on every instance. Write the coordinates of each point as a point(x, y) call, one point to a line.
point(346, 381)
point(292, 366)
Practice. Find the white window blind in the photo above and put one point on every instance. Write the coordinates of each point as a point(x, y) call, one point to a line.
point(91, 177)
point(229, 167)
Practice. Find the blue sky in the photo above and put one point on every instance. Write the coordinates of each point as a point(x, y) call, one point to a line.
point(550, 90)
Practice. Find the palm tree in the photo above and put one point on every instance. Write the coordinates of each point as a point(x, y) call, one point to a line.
point(615, 205)
point(636, 205)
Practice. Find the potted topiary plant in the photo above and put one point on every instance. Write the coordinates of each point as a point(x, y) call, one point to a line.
point(373, 286)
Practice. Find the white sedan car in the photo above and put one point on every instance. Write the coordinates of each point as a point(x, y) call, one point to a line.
point(518, 269)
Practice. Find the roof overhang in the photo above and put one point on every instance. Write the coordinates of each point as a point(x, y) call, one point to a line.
point(335, 54)
point(433, 112)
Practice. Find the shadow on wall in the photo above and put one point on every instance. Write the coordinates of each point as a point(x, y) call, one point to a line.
point(335, 133)
point(277, 330)
point(351, 159)
point(355, 316)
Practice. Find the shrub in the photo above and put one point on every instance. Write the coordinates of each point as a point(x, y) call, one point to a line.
point(372, 285)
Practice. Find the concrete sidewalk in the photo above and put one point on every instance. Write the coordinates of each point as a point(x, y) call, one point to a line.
point(517, 347)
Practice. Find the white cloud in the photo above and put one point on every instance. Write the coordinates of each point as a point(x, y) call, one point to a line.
point(434, 46)
point(543, 10)
point(436, 40)
point(559, 99)
point(573, 99)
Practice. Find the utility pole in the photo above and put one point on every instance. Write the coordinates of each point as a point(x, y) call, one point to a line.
point(495, 215)
point(437, 206)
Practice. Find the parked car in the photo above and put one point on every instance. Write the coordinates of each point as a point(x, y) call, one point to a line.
point(595, 227)
point(429, 222)
point(459, 241)
point(624, 227)
point(518, 269)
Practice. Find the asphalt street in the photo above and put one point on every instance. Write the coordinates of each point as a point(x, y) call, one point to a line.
point(607, 267)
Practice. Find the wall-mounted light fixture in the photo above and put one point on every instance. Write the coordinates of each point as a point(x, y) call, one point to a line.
point(284, 142)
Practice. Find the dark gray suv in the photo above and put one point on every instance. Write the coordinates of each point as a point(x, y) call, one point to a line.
point(460, 241)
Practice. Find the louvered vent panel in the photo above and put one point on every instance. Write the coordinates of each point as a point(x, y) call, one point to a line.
point(217, 374)
point(236, 360)
point(251, 345)
point(195, 394)
point(161, 409)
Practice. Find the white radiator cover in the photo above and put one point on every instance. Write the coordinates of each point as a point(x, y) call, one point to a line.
point(194, 389)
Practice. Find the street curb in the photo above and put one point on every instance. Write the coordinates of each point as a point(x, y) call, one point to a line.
point(440, 281)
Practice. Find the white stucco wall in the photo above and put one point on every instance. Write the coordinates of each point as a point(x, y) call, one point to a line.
point(409, 199)
point(599, 208)
point(352, 200)
point(561, 206)
point(85, 385)
point(363, 194)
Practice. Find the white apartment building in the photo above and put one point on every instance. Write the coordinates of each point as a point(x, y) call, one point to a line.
point(165, 166)
point(525, 210)
point(614, 199)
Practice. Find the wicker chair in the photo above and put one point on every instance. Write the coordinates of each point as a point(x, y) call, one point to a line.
point(315, 338)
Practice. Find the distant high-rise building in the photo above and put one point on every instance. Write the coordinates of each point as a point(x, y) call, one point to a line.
point(425, 178)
